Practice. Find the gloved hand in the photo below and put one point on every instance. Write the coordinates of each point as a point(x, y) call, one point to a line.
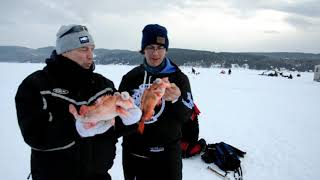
point(133, 115)
point(88, 130)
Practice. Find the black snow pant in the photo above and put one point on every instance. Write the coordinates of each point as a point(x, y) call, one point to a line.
point(165, 165)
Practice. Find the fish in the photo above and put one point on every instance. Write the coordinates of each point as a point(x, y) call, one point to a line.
point(150, 99)
point(106, 108)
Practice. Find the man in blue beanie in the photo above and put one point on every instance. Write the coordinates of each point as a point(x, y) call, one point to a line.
point(62, 147)
point(156, 154)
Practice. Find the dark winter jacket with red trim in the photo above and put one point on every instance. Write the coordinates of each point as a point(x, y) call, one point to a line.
point(42, 101)
point(164, 129)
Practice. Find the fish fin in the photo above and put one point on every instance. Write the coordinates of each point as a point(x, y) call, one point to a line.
point(121, 111)
point(73, 110)
point(84, 110)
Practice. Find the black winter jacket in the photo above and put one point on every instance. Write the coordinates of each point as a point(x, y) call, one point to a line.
point(164, 129)
point(42, 102)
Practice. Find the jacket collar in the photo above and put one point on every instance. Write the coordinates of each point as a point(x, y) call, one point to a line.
point(166, 67)
point(66, 66)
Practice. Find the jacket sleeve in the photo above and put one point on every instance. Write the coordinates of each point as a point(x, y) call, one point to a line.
point(123, 83)
point(120, 128)
point(36, 125)
point(184, 105)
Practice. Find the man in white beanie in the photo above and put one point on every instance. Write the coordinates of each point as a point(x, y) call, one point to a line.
point(62, 147)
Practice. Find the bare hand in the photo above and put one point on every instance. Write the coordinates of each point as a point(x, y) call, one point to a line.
point(172, 93)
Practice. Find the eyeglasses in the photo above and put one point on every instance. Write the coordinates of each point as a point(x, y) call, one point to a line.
point(75, 29)
point(154, 48)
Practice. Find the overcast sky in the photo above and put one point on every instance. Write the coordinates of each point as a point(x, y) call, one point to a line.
point(213, 25)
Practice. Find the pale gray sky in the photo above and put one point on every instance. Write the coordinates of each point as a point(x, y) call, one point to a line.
point(214, 25)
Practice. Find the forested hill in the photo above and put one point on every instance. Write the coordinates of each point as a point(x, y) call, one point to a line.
point(252, 60)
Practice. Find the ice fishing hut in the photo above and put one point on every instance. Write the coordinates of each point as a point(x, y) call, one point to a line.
point(317, 73)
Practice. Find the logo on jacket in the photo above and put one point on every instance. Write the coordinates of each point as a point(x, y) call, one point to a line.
point(60, 91)
point(137, 95)
point(189, 102)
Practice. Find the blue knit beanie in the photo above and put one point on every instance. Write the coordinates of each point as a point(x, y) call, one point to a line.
point(154, 34)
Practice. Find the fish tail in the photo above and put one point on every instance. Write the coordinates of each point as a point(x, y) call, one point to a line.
point(141, 127)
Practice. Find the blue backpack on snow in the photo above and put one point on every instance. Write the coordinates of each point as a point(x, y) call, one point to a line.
point(226, 157)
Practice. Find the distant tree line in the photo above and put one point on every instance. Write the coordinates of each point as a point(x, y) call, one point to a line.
point(186, 57)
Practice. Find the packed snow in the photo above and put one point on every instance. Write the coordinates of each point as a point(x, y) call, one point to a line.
point(275, 120)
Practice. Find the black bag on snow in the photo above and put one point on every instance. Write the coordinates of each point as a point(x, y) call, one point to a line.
point(225, 156)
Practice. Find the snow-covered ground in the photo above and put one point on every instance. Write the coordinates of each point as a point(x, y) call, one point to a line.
point(275, 120)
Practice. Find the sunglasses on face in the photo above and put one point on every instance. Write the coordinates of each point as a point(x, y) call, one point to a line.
point(75, 29)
